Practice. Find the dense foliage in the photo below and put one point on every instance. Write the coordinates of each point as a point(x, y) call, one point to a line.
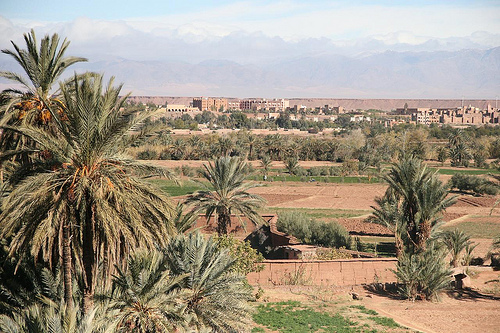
point(423, 275)
point(473, 184)
point(312, 231)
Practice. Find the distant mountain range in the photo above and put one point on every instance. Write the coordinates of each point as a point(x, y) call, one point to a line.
point(473, 74)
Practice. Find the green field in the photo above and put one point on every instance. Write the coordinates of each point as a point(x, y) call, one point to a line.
point(476, 229)
point(294, 317)
point(452, 172)
point(173, 189)
point(320, 213)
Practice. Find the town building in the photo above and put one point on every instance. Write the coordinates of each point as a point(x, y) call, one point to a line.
point(265, 104)
point(210, 104)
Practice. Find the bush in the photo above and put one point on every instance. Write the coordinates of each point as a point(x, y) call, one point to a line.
point(423, 275)
point(331, 254)
point(247, 258)
point(474, 184)
point(165, 155)
point(147, 154)
point(311, 231)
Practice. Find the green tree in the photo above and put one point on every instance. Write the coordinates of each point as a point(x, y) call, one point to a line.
point(292, 165)
point(388, 212)
point(265, 163)
point(227, 193)
point(423, 275)
point(87, 207)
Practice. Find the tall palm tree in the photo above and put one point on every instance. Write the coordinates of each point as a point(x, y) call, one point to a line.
point(30, 104)
point(216, 296)
point(227, 193)
point(89, 208)
point(43, 67)
point(422, 198)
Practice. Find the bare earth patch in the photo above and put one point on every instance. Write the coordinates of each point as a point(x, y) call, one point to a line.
point(326, 196)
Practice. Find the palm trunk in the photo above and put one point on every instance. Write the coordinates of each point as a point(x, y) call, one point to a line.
point(223, 220)
point(423, 235)
point(88, 263)
point(399, 246)
point(68, 283)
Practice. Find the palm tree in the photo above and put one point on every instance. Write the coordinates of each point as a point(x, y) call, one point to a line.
point(145, 298)
point(456, 241)
point(47, 316)
point(24, 284)
point(266, 163)
point(183, 221)
point(43, 68)
point(422, 198)
point(216, 296)
point(292, 165)
point(458, 144)
point(30, 104)
point(227, 194)
point(388, 212)
point(87, 207)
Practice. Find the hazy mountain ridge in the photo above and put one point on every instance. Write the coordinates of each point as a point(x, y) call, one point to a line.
point(438, 74)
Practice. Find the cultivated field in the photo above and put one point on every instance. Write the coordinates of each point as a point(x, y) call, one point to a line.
point(350, 204)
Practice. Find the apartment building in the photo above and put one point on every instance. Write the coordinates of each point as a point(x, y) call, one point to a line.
point(265, 104)
point(210, 104)
point(461, 115)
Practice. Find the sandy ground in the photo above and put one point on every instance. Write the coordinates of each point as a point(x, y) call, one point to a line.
point(451, 315)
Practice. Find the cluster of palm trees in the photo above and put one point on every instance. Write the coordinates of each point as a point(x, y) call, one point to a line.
point(412, 207)
point(74, 204)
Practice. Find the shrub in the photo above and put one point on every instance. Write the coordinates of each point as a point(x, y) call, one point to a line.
point(147, 154)
point(247, 258)
point(423, 275)
point(187, 170)
point(331, 254)
point(165, 155)
point(311, 231)
point(474, 184)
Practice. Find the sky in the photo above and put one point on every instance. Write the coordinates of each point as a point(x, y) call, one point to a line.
point(257, 32)
point(403, 21)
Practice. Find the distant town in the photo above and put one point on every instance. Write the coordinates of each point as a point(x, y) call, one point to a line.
point(265, 109)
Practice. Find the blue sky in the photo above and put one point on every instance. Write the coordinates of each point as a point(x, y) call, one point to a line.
point(60, 10)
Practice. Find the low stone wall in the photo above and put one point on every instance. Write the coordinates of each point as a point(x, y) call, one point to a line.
point(342, 272)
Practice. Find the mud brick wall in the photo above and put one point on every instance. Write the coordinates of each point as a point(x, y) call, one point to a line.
point(342, 272)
